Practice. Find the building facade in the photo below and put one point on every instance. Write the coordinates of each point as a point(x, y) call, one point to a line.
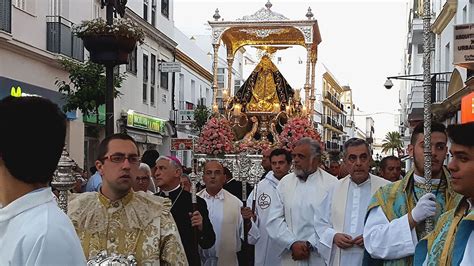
point(34, 34)
point(449, 83)
point(333, 113)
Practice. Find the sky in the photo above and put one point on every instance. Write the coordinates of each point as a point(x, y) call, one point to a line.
point(362, 44)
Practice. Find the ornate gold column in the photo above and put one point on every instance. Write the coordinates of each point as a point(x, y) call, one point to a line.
point(230, 61)
point(214, 83)
point(313, 73)
point(307, 85)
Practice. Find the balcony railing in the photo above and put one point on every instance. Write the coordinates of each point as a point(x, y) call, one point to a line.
point(332, 98)
point(61, 40)
point(334, 123)
point(439, 87)
point(6, 16)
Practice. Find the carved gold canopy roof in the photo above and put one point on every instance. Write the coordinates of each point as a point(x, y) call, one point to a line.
point(266, 27)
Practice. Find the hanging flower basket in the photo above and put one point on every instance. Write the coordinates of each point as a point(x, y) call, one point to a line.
point(109, 49)
point(109, 44)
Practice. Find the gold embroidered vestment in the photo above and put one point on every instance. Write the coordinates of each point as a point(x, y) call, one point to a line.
point(138, 224)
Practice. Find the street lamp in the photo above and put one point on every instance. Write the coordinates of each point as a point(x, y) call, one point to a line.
point(388, 84)
point(416, 77)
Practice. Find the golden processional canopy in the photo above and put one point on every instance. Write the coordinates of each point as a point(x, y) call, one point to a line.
point(256, 107)
point(266, 27)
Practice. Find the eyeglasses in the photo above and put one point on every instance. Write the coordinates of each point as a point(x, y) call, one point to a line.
point(120, 158)
point(142, 179)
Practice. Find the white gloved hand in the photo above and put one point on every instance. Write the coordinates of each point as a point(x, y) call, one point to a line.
point(426, 207)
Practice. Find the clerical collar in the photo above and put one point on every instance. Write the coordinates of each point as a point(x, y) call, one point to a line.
point(422, 180)
point(167, 193)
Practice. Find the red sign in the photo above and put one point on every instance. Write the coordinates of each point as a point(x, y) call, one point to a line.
point(181, 144)
point(467, 108)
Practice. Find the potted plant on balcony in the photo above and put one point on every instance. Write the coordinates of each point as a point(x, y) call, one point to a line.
point(109, 44)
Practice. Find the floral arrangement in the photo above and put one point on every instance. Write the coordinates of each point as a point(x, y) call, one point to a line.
point(123, 27)
point(297, 128)
point(216, 137)
point(254, 146)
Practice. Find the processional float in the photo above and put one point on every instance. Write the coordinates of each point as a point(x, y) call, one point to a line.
point(259, 109)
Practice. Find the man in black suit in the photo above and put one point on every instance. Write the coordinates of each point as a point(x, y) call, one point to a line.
point(234, 186)
point(167, 175)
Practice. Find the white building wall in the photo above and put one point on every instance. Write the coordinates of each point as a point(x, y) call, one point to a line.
point(24, 56)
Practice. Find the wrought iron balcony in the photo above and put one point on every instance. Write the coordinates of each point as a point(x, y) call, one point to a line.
point(61, 40)
point(333, 99)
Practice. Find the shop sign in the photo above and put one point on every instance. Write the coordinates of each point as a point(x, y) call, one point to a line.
point(145, 122)
point(185, 117)
point(463, 44)
point(181, 144)
point(467, 108)
point(170, 67)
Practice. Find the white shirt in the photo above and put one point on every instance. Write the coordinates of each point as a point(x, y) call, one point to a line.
point(358, 198)
point(302, 198)
point(34, 231)
point(215, 206)
point(267, 252)
point(390, 240)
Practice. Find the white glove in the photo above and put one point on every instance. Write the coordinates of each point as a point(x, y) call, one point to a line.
point(426, 207)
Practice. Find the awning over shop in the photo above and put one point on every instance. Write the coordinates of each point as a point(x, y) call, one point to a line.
point(145, 137)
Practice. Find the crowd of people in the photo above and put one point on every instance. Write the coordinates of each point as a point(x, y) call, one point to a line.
point(141, 207)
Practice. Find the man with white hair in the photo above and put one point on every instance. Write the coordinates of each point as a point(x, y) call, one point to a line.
point(291, 219)
point(142, 181)
point(168, 171)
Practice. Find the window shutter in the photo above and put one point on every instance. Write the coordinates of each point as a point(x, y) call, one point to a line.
point(5, 15)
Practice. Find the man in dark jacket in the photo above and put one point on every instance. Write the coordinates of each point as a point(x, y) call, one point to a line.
point(191, 223)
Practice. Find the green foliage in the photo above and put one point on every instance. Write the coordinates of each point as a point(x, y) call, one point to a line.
point(201, 114)
point(123, 27)
point(393, 141)
point(86, 88)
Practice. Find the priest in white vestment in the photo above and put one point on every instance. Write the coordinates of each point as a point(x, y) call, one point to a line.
point(339, 220)
point(291, 219)
point(226, 217)
point(33, 229)
point(267, 252)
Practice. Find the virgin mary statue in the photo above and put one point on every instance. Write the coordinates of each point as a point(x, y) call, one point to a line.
point(265, 87)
